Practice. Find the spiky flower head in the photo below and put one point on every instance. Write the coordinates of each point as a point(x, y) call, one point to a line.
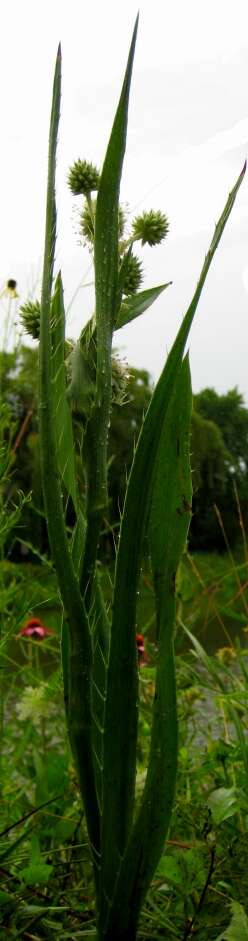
point(87, 221)
point(30, 318)
point(150, 228)
point(133, 275)
point(34, 704)
point(120, 378)
point(83, 177)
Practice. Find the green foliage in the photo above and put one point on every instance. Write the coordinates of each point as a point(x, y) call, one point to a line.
point(238, 928)
point(230, 415)
point(55, 836)
point(209, 455)
point(223, 803)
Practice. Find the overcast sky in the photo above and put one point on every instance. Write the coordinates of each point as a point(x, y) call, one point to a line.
point(187, 142)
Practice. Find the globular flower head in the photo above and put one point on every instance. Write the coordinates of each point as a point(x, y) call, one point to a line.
point(150, 228)
point(120, 378)
point(226, 654)
point(83, 177)
point(133, 275)
point(35, 629)
point(35, 704)
point(30, 318)
point(87, 221)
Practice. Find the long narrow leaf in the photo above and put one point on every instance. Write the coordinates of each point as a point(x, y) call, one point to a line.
point(121, 705)
point(136, 304)
point(106, 225)
point(63, 421)
point(62, 414)
point(168, 527)
point(80, 654)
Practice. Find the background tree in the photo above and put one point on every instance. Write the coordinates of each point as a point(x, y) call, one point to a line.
point(209, 462)
point(219, 453)
point(230, 415)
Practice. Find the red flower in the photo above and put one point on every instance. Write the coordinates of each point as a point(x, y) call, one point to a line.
point(140, 644)
point(35, 629)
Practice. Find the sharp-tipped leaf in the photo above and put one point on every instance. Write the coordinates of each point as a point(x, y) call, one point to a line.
point(61, 411)
point(106, 225)
point(172, 492)
point(79, 665)
point(106, 257)
point(136, 304)
point(63, 421)
point(121, 704)
point(168, 527)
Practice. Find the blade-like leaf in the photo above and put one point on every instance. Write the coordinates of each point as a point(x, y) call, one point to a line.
point(121, 703)
point(106, 225)
point(168, 525)
point(172, 492)
point(63, 421)
point(61, 411)
point(136, 304)
point(80, 652)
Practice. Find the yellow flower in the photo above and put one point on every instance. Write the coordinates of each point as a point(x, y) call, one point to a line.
point(226, 654)
point(10, 289)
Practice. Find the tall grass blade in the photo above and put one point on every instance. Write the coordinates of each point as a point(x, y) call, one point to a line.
point(80, 652)
point(168, 526)
point(106, 225)
point(122, 691)
point(62, 414)
point(63, 421)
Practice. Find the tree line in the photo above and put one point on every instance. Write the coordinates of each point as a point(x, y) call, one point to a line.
point(219, 456)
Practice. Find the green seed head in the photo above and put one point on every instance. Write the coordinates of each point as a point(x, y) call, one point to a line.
point(133, 275)
point(150, 228)
point(87, 221)
point(83, 177)
point(30, 318)
point(120, 378)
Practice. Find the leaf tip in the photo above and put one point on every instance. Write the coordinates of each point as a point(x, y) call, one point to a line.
point(136, 25)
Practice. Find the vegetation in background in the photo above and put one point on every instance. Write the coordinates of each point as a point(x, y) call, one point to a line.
point(218, 457)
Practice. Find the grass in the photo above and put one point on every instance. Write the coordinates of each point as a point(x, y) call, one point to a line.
point(45, 882)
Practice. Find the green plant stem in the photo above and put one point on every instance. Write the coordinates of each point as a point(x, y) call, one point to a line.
point(96, 500)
